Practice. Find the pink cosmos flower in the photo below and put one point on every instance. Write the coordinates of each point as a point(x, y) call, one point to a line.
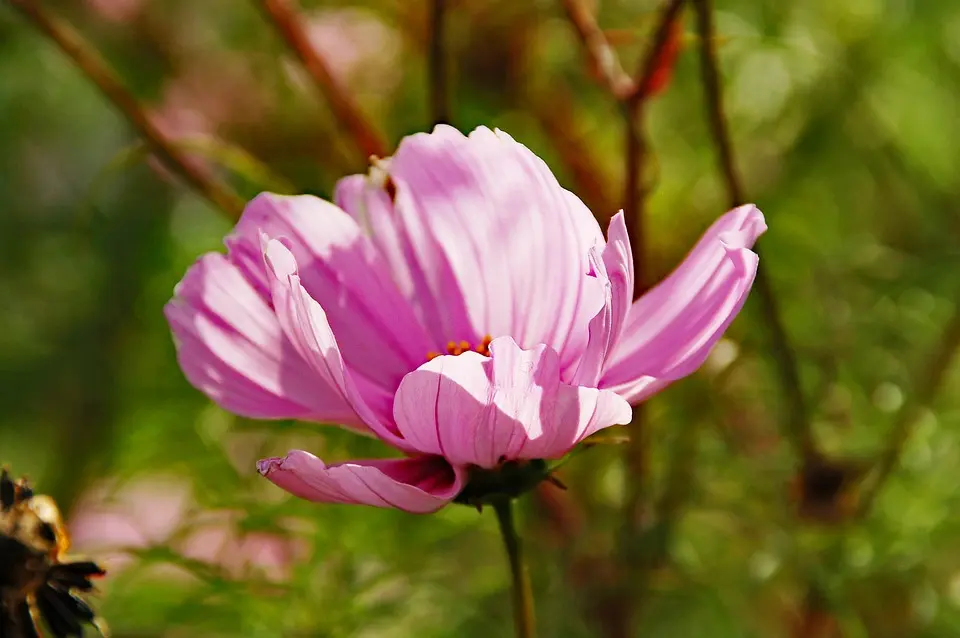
point(460, 245)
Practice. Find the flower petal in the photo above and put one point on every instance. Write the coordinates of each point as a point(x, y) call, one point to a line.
point(419, 485)
point(671, 329)
point(231, 347)
point(305, 324)
point(478, 410)
point(482, 238)
point(379, 335)
point(614, 268)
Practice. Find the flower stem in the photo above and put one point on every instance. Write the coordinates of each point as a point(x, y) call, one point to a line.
point(522, 592)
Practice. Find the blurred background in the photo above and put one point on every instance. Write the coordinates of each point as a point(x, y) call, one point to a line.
point(845, 121)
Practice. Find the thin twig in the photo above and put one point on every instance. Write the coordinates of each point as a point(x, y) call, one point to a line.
point(634, 192)
point(815, 619)
point(290, 27)
point(86, 58)
point(523, 615)
point(797, 414)
point(601, 54)
point(437, 61)
point(677, 487)
point(710, 70)
point(634, 196)
point(559, 121)
point(637, 450)
point(650, 64)
point(630, 93)
point(931, 378)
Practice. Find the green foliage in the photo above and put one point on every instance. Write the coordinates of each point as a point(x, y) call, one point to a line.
point(845, 119)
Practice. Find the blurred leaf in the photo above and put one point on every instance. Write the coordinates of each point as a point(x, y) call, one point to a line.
point(229, 156)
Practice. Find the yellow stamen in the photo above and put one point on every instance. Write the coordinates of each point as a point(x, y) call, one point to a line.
point(459, 347)
point(484, 347)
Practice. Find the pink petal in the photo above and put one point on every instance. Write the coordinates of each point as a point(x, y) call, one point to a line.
point(231, 347)
point(477, 410)
point(419, 485)
point(366, 200)
point(305, 324)
point(379, 335)
point(614, 268)
point(482, 238)
point(671, 329)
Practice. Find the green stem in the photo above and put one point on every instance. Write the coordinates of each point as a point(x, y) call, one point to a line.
point(928, 381)
point(522, 592)
point(787, 366)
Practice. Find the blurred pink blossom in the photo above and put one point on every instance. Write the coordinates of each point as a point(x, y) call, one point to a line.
point(161, 512)
point(460, 245)
point(215, 93)
point(140, 515)
point(117, 11)
point(361, 50)
point(216, 538)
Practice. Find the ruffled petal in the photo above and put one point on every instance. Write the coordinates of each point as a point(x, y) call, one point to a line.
point(483, 240)
point(477, 410)
point(379, 336)
point(671, 329)
point(305, 324)
point(613, 267)
point(231, 347)
point(419, 485)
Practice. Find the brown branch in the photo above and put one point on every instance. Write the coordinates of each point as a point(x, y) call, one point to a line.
point(437, 63)
point(289, 25)
point(629, 92)
point(634, 191)
point(797, 414)
point(637, 451)
point(635, 562)
point(559, 121)
point(602, 56)
point(634, 196)
point(713, 92)
point(931, 378)
point(650, 64)
point(86, 58)
point(815, 619)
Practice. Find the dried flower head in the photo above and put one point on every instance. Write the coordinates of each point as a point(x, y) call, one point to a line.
point(39, 585)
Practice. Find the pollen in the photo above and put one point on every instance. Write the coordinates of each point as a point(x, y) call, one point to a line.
point(459, 347)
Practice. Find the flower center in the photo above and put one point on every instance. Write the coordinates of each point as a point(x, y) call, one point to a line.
point(509, 479)
point(459, 347)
